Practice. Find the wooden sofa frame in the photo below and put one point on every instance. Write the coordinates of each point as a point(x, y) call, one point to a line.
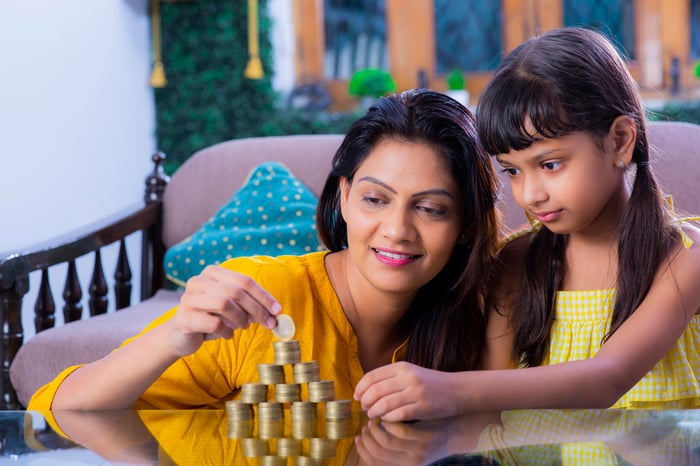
point(15, 268)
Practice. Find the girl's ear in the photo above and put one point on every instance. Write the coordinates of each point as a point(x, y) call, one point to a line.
point(623, 135)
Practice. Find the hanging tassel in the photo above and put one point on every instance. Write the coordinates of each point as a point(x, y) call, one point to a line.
point(158, 78)
point(253, 69)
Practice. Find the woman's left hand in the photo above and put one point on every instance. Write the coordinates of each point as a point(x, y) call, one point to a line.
point(403, 391)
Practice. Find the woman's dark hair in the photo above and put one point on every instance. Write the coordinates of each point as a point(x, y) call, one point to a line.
point(445, 323)
point(564, 81)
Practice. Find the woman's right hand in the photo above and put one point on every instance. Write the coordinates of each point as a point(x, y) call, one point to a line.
point(214, 304)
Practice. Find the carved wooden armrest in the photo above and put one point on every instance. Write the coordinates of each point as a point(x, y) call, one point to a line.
point(16, 266)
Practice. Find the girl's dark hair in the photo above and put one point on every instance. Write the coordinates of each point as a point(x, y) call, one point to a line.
point(568, 80)
point(445, 323)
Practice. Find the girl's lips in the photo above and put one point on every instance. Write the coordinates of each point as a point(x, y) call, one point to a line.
point(547, 216)
point(394, 258)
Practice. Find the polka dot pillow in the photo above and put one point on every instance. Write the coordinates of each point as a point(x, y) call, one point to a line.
point(272, 214)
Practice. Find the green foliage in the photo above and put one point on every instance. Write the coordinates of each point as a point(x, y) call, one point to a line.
point(207, 99)
point(371, 82)
point(455, 80)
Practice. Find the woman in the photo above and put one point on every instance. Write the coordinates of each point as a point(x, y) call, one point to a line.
point(408, 216)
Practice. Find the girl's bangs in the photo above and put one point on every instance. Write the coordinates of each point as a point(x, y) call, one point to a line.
point(519, 113)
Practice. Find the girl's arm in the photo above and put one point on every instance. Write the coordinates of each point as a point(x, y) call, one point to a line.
point(403, 391)
point(214, 304)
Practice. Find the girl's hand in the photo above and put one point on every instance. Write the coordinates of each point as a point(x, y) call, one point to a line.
point(214, 304)
point(403, 391)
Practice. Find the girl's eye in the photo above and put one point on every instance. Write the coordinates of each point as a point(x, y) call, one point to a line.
point(551, 165)
point(510, 171)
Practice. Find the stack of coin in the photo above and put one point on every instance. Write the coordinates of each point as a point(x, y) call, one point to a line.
point(338, 409)
point(240, 419)
point(287, 352)
point(306, 372)
point(304, 423)
point(253, 393)
point(321, 390)
point(287, 392)
point(270, 411)
point(267, 399)
point(271, 374)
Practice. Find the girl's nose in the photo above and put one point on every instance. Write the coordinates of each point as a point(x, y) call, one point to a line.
point(532, 191)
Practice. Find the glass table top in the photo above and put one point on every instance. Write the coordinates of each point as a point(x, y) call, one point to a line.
point(196, 437)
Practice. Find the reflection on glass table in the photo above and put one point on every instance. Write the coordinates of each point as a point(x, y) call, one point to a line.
point(196, 437)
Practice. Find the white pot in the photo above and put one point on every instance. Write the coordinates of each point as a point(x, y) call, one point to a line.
point(460, 95)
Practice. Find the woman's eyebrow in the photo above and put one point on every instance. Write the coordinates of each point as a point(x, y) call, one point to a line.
point(436, 191)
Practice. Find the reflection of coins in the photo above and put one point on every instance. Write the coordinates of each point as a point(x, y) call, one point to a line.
point(322, 447)
point(254, 447)
point(285, 327)
point(288, 447)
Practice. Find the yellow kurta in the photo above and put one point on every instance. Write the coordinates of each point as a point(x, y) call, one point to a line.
point(216, 371)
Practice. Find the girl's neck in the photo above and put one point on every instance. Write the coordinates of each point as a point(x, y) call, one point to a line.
point(591, 254)
point(373, 314)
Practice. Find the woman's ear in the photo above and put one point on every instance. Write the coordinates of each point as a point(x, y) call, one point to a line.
point(623, 137)
point(344, 186)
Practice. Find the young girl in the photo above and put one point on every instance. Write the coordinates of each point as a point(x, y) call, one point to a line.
point(599, 300)
point(408, 216)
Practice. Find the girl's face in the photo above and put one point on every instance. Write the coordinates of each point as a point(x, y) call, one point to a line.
point(403, 211)
point(569, 183)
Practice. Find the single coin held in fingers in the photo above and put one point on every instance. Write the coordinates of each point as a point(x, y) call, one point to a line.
point(285, 327)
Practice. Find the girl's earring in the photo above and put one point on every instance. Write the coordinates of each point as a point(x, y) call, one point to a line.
point(621, 164)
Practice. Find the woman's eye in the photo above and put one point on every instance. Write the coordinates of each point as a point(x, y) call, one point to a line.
point(432, 211)
point(551, 165)
point(371, 200)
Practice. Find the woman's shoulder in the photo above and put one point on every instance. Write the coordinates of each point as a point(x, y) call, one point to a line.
point(287, 264)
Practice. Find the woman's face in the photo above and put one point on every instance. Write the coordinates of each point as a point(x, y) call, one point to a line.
point(403, 211)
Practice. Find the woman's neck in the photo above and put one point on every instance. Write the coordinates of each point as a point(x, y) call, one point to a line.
point(374, 315)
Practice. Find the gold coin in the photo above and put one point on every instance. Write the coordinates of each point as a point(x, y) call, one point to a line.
point(285, 327)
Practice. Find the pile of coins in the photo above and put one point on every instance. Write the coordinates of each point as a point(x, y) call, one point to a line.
point(317, 419)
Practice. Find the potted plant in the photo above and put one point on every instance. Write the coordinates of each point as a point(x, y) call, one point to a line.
point(456, 87)
point(370, 84)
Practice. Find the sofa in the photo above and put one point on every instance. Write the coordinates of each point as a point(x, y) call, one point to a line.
point(176, 208)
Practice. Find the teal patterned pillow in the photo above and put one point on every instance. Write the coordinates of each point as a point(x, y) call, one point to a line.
point(272, 214)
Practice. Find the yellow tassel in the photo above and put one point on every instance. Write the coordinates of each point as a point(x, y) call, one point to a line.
point(158, 74)
point(254, 68)
point(158, 78)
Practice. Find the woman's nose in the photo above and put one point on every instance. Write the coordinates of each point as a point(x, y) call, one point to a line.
point(397, 224)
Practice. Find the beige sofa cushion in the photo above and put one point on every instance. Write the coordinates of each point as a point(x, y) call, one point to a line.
point(46, 354)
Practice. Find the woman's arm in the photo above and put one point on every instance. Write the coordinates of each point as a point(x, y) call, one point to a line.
point(214, 304)
point(403, 391)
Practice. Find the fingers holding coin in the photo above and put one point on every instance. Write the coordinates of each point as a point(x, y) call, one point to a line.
point(285, 328)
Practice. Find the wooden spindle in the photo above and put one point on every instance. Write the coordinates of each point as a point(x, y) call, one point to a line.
point(122, 278)
point(45, 307)
point(98, 288)
point(12, 335)
point(72, 295)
